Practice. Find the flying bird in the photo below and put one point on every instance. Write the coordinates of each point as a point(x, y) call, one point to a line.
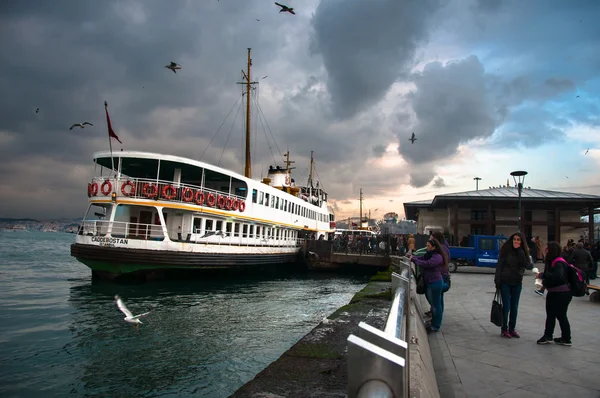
point(412, 139)
point(577, 97)
point(129, 317)
point(264, 77)
point(285, 8)
point(37, 110)
point(81, 125)
point(587, 150)
point(173, 66)
point(258, 20)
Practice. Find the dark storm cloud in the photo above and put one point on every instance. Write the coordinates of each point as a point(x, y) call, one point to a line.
point(366, 46)
point(439, 183)
point(378, 150)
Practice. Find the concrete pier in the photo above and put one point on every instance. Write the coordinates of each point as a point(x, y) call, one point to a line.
point(472, 360)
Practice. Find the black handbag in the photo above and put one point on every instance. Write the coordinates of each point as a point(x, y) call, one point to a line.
point(496, 315)
point(420, 284)
point(447, 283)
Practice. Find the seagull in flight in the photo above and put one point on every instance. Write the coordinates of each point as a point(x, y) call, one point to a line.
point(285, 8)
point(129, 317)
point(81, 125)
point(412, 139)
point(37, 110)
point(587, 151)
point(173, 66)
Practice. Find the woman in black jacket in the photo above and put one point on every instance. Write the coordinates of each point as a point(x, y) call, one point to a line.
point(512, 262)
point(555, 280)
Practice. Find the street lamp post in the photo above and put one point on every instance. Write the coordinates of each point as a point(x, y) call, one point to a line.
point(477, 179)
point(519, 177)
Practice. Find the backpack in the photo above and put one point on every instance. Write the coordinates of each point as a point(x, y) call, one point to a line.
point(575, 278)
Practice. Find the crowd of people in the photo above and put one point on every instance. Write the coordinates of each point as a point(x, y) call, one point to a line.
point(514, 259)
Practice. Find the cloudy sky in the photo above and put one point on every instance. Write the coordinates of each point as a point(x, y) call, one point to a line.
point(487, 86)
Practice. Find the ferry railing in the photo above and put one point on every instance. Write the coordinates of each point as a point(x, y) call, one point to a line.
point(378, 360)
point(140, 231)
point(117, 185)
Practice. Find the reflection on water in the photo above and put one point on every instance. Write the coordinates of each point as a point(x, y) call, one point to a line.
point(60, 333)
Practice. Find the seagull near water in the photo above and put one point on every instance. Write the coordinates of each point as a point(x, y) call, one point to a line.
point(81, 125)
point(173, 66)
point(129, 317)
point(285, 8)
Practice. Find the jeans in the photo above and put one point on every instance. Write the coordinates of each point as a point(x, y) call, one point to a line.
point(510, 304)
point(557, 304)
point(434, 295)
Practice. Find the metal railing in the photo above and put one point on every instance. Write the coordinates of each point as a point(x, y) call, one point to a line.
point(139, 231)
point(136, 189)
point(378, 360)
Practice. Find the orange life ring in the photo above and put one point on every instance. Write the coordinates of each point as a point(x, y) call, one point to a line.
point(170, 188)
point(106, 191)
point(185, 196)
point(235, 204)
point(228, 203)
point(199, 198)
point(210, 199)
point(149, 194)
point(242, 205)
point(131, 191)
point(221, 201)
point(94, 189)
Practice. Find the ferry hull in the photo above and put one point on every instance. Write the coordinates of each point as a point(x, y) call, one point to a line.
point(113, 262)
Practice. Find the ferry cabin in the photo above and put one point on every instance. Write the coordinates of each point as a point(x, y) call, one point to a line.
point(160, 198)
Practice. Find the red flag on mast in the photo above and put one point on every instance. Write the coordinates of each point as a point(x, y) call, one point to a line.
point(111, 132)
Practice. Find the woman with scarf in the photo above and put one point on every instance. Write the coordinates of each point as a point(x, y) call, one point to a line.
point(434, 262)
point(513, 260)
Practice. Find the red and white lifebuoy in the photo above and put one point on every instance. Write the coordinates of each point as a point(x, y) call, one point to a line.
point(210, 199)
point(221, 201)
point(228, 203)
point(235, 204)
point(150, 190)
point(168, 192)
point(199, 198)
point(94, 189)
point(187, 194)
point(242, 206)
point(131, 190)
point(106, 187)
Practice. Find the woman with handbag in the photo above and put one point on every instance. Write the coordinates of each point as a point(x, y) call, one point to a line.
point(513, 260)
point(433, 263)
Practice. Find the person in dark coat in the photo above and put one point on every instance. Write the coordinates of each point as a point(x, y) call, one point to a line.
point(559, 296)
point(583, 260)
point(513, 260)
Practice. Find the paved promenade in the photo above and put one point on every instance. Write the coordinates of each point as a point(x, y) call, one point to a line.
point(472, 360)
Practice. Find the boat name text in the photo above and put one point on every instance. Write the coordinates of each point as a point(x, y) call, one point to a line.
point(104, 241)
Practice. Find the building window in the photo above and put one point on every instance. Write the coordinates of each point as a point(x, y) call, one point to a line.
point(477, 230)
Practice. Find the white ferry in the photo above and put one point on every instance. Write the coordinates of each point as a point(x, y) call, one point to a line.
point(150, 213)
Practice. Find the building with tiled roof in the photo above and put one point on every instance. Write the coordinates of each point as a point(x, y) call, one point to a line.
point(550, 215)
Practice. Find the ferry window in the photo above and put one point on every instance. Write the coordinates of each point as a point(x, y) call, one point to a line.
point(219, 226)
point(244, 230)
point(276, 202)
point(285, 203)
point(266, 199)
point(261, 196)
point(258, 231)
point(228, 227)
point(254, 195)
point(281, 204)
point(273, 201)
point(265, 232)
point(236, 229)
point(197, 224)
point(208, 225)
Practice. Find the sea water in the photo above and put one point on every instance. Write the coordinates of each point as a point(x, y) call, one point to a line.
point(61, 334)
